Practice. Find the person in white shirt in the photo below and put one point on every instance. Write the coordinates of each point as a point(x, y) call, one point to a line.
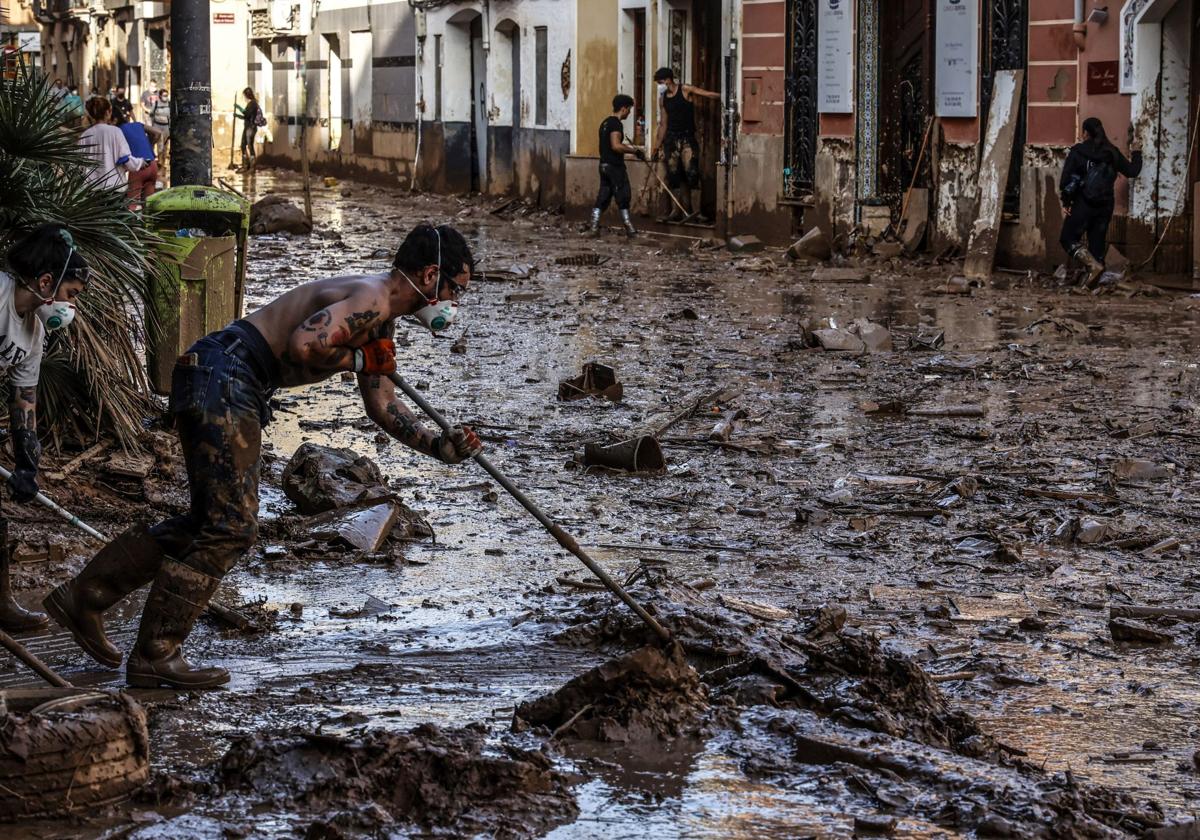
point(37, 294)
point(107, 146)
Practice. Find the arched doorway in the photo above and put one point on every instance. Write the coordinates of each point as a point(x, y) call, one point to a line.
point(465, 51)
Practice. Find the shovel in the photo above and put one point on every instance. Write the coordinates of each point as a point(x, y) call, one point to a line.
point(564, 539)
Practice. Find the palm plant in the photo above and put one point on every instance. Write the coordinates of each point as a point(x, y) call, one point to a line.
point(93, 380)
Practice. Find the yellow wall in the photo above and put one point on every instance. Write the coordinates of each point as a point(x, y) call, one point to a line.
point(595, 71)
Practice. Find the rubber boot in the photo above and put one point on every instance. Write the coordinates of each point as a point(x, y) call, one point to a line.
point(178, 596)
point(124, 565)
point(1094, 267)
point(594, 226)
point(689, 213)
point(627, 222)
point(13, 617)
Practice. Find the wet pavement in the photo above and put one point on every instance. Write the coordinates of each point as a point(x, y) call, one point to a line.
point(1069, 387)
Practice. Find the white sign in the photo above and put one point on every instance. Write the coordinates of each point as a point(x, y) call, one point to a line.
point(956, 88)
point(29, 42)
point(835, 56)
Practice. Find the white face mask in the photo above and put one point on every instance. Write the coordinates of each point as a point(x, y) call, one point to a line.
point(56, 315)
point(436, 314)
point(662, 89)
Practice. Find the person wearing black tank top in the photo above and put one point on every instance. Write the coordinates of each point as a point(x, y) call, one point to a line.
point(614, 180)
point(676, 140)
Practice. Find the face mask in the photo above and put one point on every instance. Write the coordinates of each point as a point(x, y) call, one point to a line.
point(436, 314)
point(662, 89)
point(56, 315)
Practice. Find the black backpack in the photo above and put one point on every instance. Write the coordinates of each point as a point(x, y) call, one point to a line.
point(1098, 182)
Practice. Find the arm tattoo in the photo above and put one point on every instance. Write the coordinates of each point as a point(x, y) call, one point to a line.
point(318, 321)
point(22, 408)
point(403, 426)
point(359, 320)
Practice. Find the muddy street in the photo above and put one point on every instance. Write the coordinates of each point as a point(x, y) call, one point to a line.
point(977, 484)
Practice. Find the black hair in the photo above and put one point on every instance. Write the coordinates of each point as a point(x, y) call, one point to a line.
point(1094, 129)
point(46, 250)
point(664, 73)
point(420, 249)
point(622, 100)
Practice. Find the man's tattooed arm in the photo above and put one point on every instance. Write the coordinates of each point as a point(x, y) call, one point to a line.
point(393, 416)
point(22, 408)
point(324, 343)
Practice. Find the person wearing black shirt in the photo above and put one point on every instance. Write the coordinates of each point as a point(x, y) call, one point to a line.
point(676, 139)
point(1086, 191)
point(252, 119)
point(614, 180)
point(122, 108)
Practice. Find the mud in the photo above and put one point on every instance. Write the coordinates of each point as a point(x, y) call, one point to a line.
point(428, 776)
point(985, 550)
point(643, 695)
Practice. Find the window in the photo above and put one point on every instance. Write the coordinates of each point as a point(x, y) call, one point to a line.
point(542, 73)
point(437, 77)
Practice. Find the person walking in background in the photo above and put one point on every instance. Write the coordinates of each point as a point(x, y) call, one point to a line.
point(58, 90)
point(144, 182)
point(252, 120)
point(121, 106)
point(107, 146)
point(72, 106)
point(1086, 191)
point(149, 97)
point(160, 121)
point(614, 179)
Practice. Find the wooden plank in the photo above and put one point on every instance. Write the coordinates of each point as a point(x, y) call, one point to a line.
point(993, 173)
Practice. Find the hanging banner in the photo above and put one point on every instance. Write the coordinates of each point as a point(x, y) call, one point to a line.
point(957, 56)
point(835, 56)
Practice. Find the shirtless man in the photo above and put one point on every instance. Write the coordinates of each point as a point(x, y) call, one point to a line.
point(220, 400)
point(676, 139)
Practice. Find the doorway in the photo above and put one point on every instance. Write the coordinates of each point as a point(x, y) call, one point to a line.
point(361, 61)
point(479, 115)
point(1006, 28)
point(333, 93)
point(800, 100)
point(905, 52)
point(707, 68)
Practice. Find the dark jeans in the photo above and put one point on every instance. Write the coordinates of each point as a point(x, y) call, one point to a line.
point(614, 184)
point(248, 132)
point(682, 155)
point(220, 400)
point(1088, 220)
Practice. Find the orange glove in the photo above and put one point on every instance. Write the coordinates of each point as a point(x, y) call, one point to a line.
point(377, 357)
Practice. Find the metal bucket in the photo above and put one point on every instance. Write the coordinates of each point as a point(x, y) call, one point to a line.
point(641, 454)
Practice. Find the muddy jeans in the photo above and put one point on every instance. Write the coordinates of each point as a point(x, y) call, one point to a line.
point(220, 400)
point(1090, 221)
point(614, 184)
point(681, 153)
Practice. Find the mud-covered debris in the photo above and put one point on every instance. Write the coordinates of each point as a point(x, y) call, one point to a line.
point(814, 245)
point(427, 776)
point(827, 274)
point(639, 455)
point(875, 337)
point(276, 214)
point(644, 695)
point(1138, 469)
point(364, 528)
point(927, 338)
point(957, 285)
point(745, 244)
point(321, 478)
point(837, 339)
point(596, 380)
point(1125, 630)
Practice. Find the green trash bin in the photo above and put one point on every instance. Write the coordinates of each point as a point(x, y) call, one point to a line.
point(205, 232)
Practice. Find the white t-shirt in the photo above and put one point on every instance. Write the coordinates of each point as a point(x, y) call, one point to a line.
point(107, 146)
point(21, 339)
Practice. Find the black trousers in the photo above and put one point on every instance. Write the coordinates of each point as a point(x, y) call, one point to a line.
point(1090, 221)
point(614, 184)
point(248, 133)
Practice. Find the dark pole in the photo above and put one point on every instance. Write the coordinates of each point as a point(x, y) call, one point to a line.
point(191, 94)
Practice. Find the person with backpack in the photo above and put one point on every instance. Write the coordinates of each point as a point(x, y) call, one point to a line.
point(1086, 191)
point(252, 120)
point(160, 122)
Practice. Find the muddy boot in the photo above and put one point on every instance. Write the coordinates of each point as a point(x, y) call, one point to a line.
point(594, 226)
point(627, 222)
point(676, 215)
point(13, 617)
point(124, 565)
point(176, 599)
point(686, 200)
point(1092, 265)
